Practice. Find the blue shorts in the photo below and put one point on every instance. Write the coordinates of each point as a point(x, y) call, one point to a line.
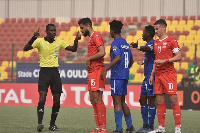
point(118, 86)
point(146, 88)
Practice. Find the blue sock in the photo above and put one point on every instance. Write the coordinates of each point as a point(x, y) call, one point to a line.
point(144, 112)
point(152, 113)
point(128, 120)
point(118, 119)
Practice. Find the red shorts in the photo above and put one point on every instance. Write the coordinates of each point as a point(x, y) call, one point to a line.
point(166, 83)
point(94, 81)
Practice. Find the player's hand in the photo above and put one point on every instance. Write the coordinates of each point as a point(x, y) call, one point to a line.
point(78, 36)
point(140, 62)
point(157, 62)
point(151, 80)
point(37, 33)
point(103, 73)
point(87, 64)
point(134, 45)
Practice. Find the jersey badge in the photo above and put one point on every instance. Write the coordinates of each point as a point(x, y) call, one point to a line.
point(114, 49)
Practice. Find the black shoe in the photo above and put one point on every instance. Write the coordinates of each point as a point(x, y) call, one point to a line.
point(40, 127)
point(131, 130)
point(118, 131)
point(53, 128)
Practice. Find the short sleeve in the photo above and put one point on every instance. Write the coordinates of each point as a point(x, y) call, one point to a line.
point(98, 40)
point(36, 43)
point(64, 44)
point(115, 48)
point(175, 46)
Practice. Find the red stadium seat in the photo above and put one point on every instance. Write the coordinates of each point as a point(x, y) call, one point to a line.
point(140, 70)
point(170, 33)
point(177, 18)
point(153, 18)
point(13, 20)
point(32, 20)
point(185, 18)
point(99, 20)
point(19, 20)
point(121, 19)
point(39, 20)
point(192, 18)
point(198, 17)
point(195, 28)
point(142, 27)
point(135, 20)
point(184, 49)
point(163, 17)
point(177, 33)
point(132, 32)
point(46, 21)
point(128, 20)
point(53, 20)
point(26, 20)
point(113, 18)
point(7, 20)
point(107, 19)
point(143, 20)
point(73, 20)
point(93, 19)
point(170, 18)
point(185, 33)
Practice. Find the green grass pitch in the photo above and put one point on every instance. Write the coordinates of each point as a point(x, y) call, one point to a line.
point(21, 119)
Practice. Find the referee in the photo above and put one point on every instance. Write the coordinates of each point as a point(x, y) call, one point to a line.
point(48, 49)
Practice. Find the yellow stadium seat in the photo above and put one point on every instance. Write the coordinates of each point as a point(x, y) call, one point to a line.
point(184, 65)
point(182, 38)
point(0, 20)
point(133, 70)
point(172, 28)
point(69, 62)
point(177, 65)
point(197, 39)
point(4, 75)
point(5, 63)
point(168, 22)
point(63, 34)
point(193, 32)
point(197, 22)
point(190, 23)
point(174, 23)
point(191, 48)
point(190, 39)
point(27, 54)
point(14, 64)
point(180, 28)
point(187, 28)
point(101, 29)
point(137, 38)
point(73, 29)
point(182, 23)
point(190, 54)
point(107, 50)
point(129, 39)
point(139, 33)
point(107, 28)
point(2, 69)
point(20, 54)
point(135, 65)
point(95, 28)
point(198, 33)
point(179, 78)
point(138, 78)
point(104, 23)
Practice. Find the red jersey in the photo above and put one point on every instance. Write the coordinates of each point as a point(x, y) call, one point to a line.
point(165, 49)
point(95, 41)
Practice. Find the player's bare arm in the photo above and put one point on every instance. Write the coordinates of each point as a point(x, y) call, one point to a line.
point(151, 79)
point(131, 63)
point(141, 48)
point(28, 46)
point(113, 63)
point(75, 46)
point(101, 53)
point(177, 57)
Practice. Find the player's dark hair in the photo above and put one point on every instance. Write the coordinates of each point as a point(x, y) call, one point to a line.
point(85, 21)
point(48, 25)
point(161, 22)
point(116, 26)
point(150, 29)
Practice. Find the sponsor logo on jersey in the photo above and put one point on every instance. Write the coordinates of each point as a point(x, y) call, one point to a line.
point(114, 49)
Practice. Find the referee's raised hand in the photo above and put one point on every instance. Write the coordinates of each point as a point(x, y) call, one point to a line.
point(37, 33)
point(78, 36)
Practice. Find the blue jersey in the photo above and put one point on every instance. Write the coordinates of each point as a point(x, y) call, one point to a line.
point(120, 47)
point(149, 59)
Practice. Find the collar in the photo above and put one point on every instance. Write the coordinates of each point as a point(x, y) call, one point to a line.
point(163, 38)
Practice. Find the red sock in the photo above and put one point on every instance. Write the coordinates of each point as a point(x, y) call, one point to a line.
point(161, 111)
point(177, 115)
point(96, 115)
point(101, 114)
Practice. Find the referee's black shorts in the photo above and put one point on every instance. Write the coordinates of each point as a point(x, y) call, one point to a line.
point(50, 76)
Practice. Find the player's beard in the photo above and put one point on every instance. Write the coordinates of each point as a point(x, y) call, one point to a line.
point(86, 33)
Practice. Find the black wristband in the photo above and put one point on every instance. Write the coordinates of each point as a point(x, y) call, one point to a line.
point(30, 42)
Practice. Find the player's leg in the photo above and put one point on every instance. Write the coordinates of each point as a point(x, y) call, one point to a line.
point(56, 90)
point(43, 85)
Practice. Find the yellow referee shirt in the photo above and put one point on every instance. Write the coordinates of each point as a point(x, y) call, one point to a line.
point(49, 52)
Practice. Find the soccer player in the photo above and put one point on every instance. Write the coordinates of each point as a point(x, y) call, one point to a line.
point(166, 50)
point(148, 111)
point(95, 65)
point(48, 49)
point(121, 61)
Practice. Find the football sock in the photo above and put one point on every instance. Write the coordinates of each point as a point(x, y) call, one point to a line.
point(96, 115)
point(40, 112)
point(101, 109)
point(128, 120)
point(177, 115)
point(54, 113)
point(161, 112)
point(144, 112)
point(152, 113)
point(118, 119)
